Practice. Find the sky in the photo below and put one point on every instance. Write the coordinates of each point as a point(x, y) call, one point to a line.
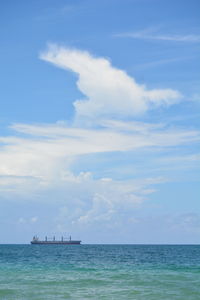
point(99, 121)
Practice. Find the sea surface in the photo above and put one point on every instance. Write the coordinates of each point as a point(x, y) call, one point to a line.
point(99, 272)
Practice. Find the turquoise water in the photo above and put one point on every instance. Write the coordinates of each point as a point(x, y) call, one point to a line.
point(99, 272)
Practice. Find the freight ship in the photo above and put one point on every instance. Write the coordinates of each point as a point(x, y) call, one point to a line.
point(53, 241)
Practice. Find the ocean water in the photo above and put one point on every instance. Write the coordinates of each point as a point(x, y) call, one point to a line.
point(99, 272)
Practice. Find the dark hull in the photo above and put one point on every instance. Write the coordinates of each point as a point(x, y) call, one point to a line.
point(55, 242)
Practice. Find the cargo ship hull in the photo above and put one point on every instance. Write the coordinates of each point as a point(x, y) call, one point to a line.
point(55, 242)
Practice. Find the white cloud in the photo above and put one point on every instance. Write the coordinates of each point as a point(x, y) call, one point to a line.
point(27, 220)
point(34, 219)
point(108, 90)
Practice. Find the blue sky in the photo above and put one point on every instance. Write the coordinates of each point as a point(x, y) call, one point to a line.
point(100, 120)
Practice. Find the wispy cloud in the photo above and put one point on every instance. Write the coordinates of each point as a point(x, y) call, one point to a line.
point(157, 63)
point(45, 155)
point(51, 14)
point(147, 34)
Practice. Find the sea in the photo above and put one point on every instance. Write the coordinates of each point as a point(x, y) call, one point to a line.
point(150, 272)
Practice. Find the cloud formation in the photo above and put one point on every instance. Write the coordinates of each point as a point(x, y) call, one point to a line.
point(109, 92)
point(36, 162)
point(47, 151)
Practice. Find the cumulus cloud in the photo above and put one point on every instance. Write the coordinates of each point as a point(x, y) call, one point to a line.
point(93, 201)
point(108, 91)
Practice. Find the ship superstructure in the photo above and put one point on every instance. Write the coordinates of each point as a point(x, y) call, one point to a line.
point(53, 241)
